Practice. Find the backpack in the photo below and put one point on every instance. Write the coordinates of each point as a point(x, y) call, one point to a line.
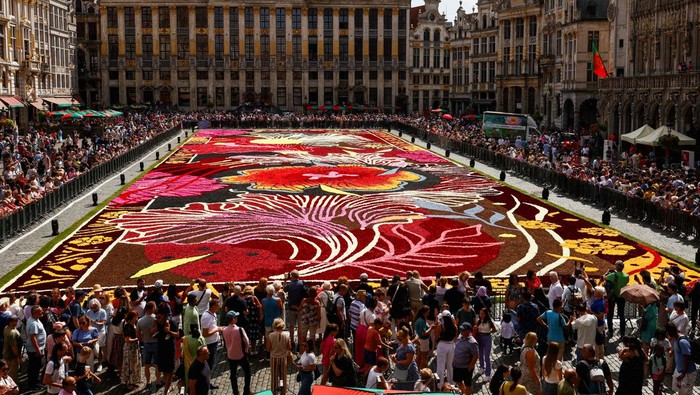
point(597, 377)
point(694, 349)
point(575, 298)
point(332, 310)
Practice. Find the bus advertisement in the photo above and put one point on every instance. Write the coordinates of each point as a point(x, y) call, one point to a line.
point(503, 124)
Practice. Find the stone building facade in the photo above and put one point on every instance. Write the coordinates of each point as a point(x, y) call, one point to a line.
point(656, 79)
point(37, 43)
point(220, 55)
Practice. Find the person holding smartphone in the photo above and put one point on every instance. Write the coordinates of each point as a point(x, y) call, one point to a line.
point(7, 384)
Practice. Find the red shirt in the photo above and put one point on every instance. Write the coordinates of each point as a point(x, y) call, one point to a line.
point(327, 350)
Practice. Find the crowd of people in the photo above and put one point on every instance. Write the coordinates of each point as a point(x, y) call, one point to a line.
point(37, 162)
point(415, 333)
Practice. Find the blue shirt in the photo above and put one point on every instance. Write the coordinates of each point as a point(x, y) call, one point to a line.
point(295, 292)
point(35, 327)
point(682, 349)
point(556, 323)
point(597, 307)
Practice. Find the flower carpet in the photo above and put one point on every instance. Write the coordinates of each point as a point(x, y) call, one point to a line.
point(237, 205)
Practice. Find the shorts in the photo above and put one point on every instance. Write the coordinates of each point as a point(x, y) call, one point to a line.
point(150, 353)
point(463, 375)
point(424, 344)
point(292, 318)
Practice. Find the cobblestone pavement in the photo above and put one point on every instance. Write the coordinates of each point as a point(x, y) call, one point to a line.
point(17, 252)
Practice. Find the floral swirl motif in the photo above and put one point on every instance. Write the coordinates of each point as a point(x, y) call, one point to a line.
point(598, 246)
point(538, 225)
point(92, 240)
point(600, 232)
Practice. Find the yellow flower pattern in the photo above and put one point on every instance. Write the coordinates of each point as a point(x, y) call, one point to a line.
point(600, 232)
point(597, 246)
point(92, 240)
point(538, 225)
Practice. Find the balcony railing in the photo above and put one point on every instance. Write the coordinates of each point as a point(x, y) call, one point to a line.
point(652, 82)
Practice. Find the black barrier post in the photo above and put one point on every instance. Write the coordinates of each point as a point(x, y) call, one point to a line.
point(400, 133)
point(427, 145)
point(413, 139)
point(186, 133)
point(122, 178)
point(472, 162)
point(54, 227)
point(94, 199)
point(141, 166)
point(169, 147)
point(545, 193)
point(447, 153)
point(502, 176)
point(178, 139)
point(606, 217)
point(157, 155)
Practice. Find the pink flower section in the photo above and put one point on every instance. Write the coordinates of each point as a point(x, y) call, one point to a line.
point(220, 132)
point(421, 156)
point(164, 184)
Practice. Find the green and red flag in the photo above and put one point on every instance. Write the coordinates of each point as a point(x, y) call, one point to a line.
point(598, 66)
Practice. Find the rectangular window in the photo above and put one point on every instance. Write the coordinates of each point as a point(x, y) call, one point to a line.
point(147, 46)
point(358, 49)
point(200, 17)
point(202, 75)
point(201, 42)
point(281, 97)
point(146, 18)
point(147, 75)
point(234, 75)
point(533, 26)
point(164, 46)
point(373, 18)
point(202, 98)
point(436, 57)
point(183, 97)
point(506, 60)
point(264, 18)
point(113, 46)
point(219, 46)
point(280, 20)
point(233, 21)
point(518, 59)
point(183, 46)
point(235, 97)
point(164, 17)
point(506, 30)
point(281, 47)
point(328, 19)
point(484, 49)
point(112, 21)
point(296, 18)
point(492, 44)
point(235, 50)
point(531, 56)
point(296, 48)
point(313, 48)
point(344, 48)
point(475, 46)
point(164, 75)
point(327, 50)
point(358, 20)
point(129, 18)
point(559, 43)
point(373, 50)
point(249, 50)
point(593, 40)
point(312, 19)
point(492, 72)
point(218, 17)
point(519, 28)
point(265, 48)
point(183, 17)
point(426, 57)
point(248, 18)
point(130, 46)
point(343, 18)
point(297, 96)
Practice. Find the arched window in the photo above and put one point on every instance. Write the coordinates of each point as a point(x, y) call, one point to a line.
point(426, 35)
point(437, 36)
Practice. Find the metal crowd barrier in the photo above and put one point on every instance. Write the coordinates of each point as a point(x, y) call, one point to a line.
point(15, 222)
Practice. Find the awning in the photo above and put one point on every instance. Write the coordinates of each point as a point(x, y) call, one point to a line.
point(3, 106)
point(11, 102)
point(61, 102)
point(78, 100)
point(39, 105)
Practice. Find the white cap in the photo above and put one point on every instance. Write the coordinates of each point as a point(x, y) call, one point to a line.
point(159, 283)
point(364, 276)
point(446, 313)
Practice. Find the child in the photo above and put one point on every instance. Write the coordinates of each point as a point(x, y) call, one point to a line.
point(83, 373)
point(507, 332)
point(658, 367)
point(660, 338)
